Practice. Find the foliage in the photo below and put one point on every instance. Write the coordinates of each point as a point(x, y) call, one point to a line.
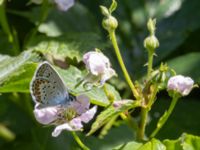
point(32, 33)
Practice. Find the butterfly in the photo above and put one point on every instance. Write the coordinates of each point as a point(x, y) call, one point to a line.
point(48, 88)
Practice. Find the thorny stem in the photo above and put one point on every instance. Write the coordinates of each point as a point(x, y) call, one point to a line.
point(145, 110)
point(165, 118)
point(122, 65)
point(79, 142)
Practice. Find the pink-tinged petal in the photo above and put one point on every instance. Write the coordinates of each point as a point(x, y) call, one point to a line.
point(76, 124)
point(180, 84)
point(81, 104)
point(99, 66)
point(96, 62)
point(88, 115)
point(64, 5)
point(45, 115)
point(60, 128)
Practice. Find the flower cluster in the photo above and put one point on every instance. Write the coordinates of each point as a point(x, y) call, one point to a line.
point(66, 117)
point(99, 66)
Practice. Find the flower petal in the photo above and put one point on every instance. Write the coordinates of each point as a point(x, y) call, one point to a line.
point(96, 62)
point(61, 127)
point(180, 84)
point(76, 124)
point(81, 104)
point(45, 115)
point(107, 75)
point(88, 115)
point(64, 5)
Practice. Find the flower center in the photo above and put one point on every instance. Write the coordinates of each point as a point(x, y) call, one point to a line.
point(70, 113)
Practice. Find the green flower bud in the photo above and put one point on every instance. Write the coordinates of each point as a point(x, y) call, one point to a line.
point(110, 23)
point(151, 43)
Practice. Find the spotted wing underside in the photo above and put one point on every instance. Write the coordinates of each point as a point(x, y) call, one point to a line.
point(47, 86)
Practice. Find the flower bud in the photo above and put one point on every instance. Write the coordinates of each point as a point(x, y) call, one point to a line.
point(180, 84)
point(110, 23)
point(151, 43)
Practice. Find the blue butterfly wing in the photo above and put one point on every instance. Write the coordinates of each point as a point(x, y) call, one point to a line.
point(47, 86)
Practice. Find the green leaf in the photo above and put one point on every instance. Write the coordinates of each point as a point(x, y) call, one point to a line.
point(107, 127)
point(72, 45)
point(187, 65)
point(77, 19)
point(166, 8)
point(113, 6)
point(154, 144)
point(129, 146)
point(177, 29)
point(16, 72)
point(185, 142)
point(97, 95)
point(110, 112)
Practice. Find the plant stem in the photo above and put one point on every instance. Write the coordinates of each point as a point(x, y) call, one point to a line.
point(149, 101)
point(150, 64)
point(109, 95)
point(4, 22)
point(79, 142)
point(165, 117)
point(6, 28)
point(142, 125)
point(122, 65)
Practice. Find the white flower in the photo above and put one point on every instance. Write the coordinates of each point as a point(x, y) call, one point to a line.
point(76, 123)
point(66, 117)
point(98, 65)
point(182, 85)
point(62, 5)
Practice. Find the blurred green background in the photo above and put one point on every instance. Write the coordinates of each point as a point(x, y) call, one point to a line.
point(67, 35)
